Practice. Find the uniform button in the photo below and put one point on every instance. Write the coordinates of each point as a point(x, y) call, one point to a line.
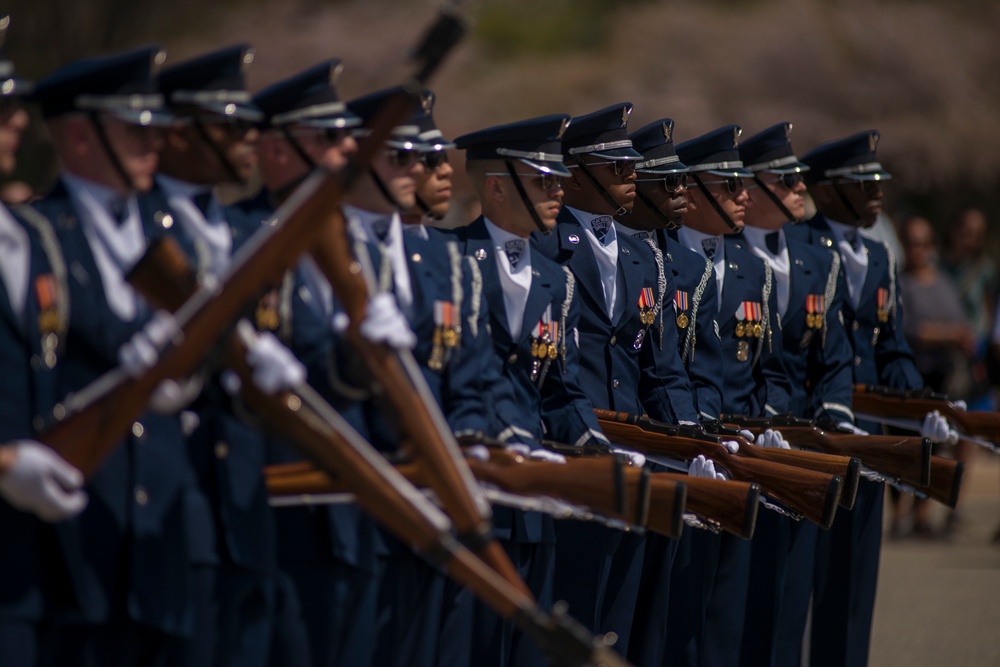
point(137, 429)
point(141, 495)
point(616, 384)
point(614, 339)
point(221, 450)
point(512, 359)
point(857, 361)
point(855, 325)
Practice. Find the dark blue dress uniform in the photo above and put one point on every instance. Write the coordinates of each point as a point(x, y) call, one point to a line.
point(817, 356)
point(29, 347)
point(711, 572)
point(131, 551)
point(535, 391)
point(428, 618)
point(847, 555)
point(229, 450)
point(33, 318)
point(628, 362)
point(328, 556)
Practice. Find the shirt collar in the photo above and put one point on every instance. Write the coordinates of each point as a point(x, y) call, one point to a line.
point(635, 233)
point(102, 194)
point(692, 238)
point(186, 189)
point(365, 229)
point(755, 235)
point(499, 237)
point(586, 218)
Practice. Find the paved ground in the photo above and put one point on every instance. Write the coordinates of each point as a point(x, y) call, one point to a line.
point(939, 601)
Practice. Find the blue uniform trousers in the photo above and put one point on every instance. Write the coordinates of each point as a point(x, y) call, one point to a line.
point(844, 595)
point(648, 642)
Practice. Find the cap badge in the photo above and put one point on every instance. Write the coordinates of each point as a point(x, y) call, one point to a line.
point(788, 131)
point(562, 129)
point(668, 129)
point(625, 112)
point(737, 131)
point(872, 141)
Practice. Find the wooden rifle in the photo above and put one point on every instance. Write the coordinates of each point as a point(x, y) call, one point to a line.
point(914, 404)
point(814, 495)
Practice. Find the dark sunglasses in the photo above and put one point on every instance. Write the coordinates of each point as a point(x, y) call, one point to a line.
point(401, 158)
point(546, 182)
point(866, 187)
point(671, 182)
point(734, 184)
point(434, 159)
point(789, 181)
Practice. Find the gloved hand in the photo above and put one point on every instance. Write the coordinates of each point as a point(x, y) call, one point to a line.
point(732, 445)
point(636, 459)
point(384, 323)
point(140, 352)
point(702, 467)
point(960, 405)
point(936, 429)
point(172, 396)
point(747, 435)
point(39, 481)
point(274, 366)
point(546, 455)
point(772, 438)
point(477, 453)
point(848, 426)
point(519, 448)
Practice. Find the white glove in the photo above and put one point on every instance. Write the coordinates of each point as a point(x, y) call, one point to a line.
point(275, 368)
point(732, 445)
point(848, 426)
point(702, 467)
point(477, 453)
point(384, 323)
point(747, 435)
point(140, 352)
point(960, 405)
point(773, 439)
point(936, 429)
point(41, 482)
point(519, 449)
point(635, 459)
point(546, 455)
point(172, 396)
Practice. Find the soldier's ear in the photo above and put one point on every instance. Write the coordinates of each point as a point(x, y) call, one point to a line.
point(494, 189)
point(572, 183)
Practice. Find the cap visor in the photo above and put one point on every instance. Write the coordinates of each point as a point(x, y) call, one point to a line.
point(547, 167)
point(668, 168)
point(794, 168)
point(248, 112)
point(727, 173)
point(143, 117)
point(625, 153)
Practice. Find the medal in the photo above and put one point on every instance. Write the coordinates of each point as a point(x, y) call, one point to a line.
point(543, 349)
point(266, 315)
point(647, 304)
point(816, 307)
point(882, 311)
point(740, 329)
point(758, 330)
point(534, 347)
point(681, 305)
point(436, 361)
point(553, 351)
point(743, 351)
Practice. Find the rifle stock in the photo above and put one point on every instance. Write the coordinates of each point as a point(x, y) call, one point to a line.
point(812, 494)
point(731, 504)
point(946, 481)
point(887, 402)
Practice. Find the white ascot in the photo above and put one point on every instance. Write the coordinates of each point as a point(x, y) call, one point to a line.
point(600, 232)
point(15, 262)
point(780, 264)
point(853, 257)
point(208, 229)
point(515, 277)
point(386, 230)
point(116, 246)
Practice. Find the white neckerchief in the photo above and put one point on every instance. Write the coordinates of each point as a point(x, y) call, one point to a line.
point(212, 230)
point(516, 282)
point(692, 238)
point(606, 254)
point(392, 246)
point(855, 262)
point(116, 247)
point(780, 263)
point(15, 262)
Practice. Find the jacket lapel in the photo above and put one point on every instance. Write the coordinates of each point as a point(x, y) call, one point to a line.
point(478, 244)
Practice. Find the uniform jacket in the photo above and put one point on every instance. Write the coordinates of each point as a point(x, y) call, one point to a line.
point(698, 342)
point(623, 365)
point(146, 520)
point(881, 353)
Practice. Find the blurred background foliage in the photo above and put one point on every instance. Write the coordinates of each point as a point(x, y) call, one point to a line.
point(926, 73)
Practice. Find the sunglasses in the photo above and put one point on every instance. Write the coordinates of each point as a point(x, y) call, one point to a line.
point(434, 159)
point(401, 158)
point(330, 135)
point(866, 187)
point(671, 182)
point(789, 181)
point(546, 182)
point(734, 184)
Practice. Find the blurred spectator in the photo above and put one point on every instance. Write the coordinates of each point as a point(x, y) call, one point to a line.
point(15, 193)
point(936, 327)
point(975, 275)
